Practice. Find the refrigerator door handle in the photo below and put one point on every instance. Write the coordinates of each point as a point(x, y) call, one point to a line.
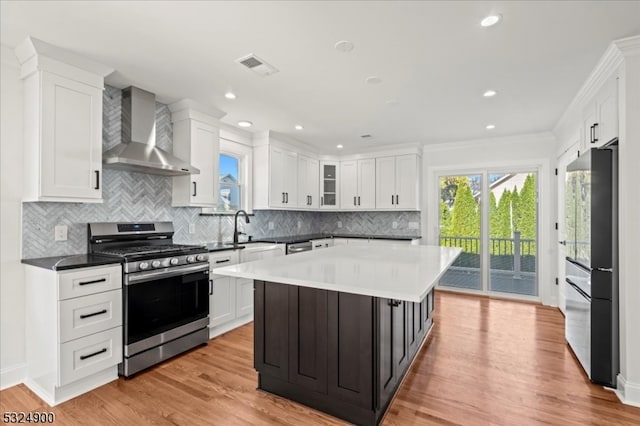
point(604, 269)
point(578, 289)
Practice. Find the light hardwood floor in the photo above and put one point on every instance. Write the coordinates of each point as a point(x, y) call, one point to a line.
point(486, 362)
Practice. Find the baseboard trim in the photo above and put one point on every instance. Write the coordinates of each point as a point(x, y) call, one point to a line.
point(627, 392)
point(13, 375)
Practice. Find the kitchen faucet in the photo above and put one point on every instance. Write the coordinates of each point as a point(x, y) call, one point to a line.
point(237, 233)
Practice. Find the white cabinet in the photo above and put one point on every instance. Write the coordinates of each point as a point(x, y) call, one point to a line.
point(358, 184)
point(308, 182)
point(283, 177)
point(73, 329)
point(329, 188)
point(397, 182)
point(600, 117)
point(63, 124)
point(259, 251)
point(196, 139)
point(222, 293)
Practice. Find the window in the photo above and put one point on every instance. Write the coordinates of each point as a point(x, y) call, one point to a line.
point(230, 183)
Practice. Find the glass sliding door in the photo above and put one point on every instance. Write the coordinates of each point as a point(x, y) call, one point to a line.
point(513, 224)
point(460, 226)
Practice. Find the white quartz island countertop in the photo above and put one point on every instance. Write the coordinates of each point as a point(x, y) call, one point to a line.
point(386, 271)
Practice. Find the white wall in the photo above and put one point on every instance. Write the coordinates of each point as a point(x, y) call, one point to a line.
point(12, 353)
point(532, 152)
point(629, 231)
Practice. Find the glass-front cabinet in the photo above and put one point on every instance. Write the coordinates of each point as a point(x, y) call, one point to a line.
point(329, 184)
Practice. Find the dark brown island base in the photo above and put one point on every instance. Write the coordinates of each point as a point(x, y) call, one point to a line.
point(340, 353)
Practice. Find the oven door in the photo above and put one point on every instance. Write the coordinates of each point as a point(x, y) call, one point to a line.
point(158, 301)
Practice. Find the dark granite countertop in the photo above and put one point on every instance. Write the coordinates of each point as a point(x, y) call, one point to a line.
point(215, 247)
point(302, 238)
point(75, 261)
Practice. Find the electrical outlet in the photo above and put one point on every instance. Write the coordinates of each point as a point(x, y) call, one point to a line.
point(413, 225)
point(192, 228)
point(271, 226)
point(61, 232)
point(339, 224)
point(394, 225)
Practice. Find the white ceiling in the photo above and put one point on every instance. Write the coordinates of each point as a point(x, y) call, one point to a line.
point(434, 59)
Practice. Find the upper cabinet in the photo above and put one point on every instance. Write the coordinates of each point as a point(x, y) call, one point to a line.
point(358, 184)
point(63, 124)
point(329, 184)
point(308, 181)
point(397, 182)
point(196, 139)
point(600, 117)
point(275, 178)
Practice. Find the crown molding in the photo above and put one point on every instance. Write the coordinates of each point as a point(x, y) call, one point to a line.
point(607, 66)
point(526, 138)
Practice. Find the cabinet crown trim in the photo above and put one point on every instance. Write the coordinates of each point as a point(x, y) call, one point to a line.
point(190, 109)
point(32, 48)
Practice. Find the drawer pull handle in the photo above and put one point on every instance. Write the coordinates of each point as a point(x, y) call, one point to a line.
point(101, 280)
point(101, 351)
point(223, 261)
point(104, 311)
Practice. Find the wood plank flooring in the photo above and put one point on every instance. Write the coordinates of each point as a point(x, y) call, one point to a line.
point(487, 362)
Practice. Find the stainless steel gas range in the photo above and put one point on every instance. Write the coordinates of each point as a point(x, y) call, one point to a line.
point(166, 290)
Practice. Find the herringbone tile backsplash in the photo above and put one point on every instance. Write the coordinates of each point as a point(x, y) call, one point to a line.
point(138, 197)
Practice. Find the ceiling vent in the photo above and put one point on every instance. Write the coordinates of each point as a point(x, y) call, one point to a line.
point(257, 65)
point(366, 136)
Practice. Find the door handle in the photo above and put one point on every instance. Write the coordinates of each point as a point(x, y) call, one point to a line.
point(604, 269)
point(210, 287)
point(322, 201)
point(101, 351)
point(354, 201)
point(310, 199)
point(195, 188)
point(358, 200)
point(101, 280)
point(595, 139)
point(286, 197)
point(93, 314)
point(397, 199)
point(97, 180)
point(283, 198)
point(564, 243)
point(392, 202)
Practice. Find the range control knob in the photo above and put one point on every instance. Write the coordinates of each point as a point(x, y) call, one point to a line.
point(191, 259)
point(202, 257)
point(143, 265)
point(155, 264)
point(174, 261)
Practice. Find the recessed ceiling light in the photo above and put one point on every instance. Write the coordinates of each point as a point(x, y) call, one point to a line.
point(299, 127)
point(245, 123)
point(489, 93)
point(491, 20)
point(373, 80)
point(490, 126)
point(230, 95)
point(344, 46)
point(339, 146)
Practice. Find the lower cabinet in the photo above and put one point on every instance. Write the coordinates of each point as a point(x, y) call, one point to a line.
point(341, 353)
point(73, 330)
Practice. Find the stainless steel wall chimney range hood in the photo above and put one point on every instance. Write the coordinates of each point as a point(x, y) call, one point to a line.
point(138, 151)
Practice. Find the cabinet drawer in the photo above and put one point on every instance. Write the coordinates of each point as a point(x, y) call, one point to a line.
point(222, 259)
point(86, 315)
point(85, 281)
point(88, 355)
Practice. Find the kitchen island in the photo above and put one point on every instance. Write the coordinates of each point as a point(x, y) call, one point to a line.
point(337, 329)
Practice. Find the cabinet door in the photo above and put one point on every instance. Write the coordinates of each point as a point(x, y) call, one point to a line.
point(71, 158)
point(313, 183)
point(271, 328)
point(406, 178)
point(589, 115)
point(222, 301)
point(348, 185)
point(244, 297)
point(290, 179)
point(394, 348)
point(367, 183)
point(277, 164)
point(607, 111)
point(303, 184)
point(385, 182)
point(204, 156)
point(350, 348)
point(329, 187)
point(308, 338)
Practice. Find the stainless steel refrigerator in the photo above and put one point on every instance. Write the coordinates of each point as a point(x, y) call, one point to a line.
point(591, 323)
